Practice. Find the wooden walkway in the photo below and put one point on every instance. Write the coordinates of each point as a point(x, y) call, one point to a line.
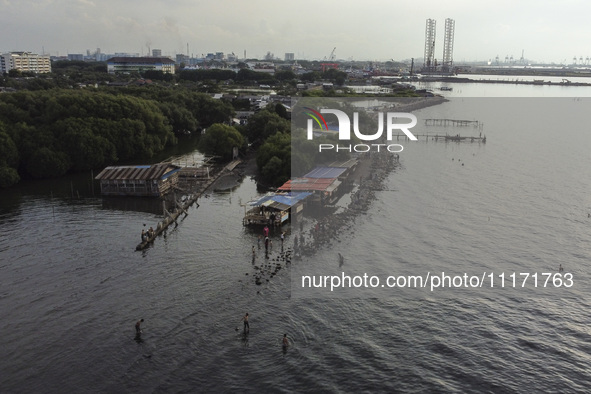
point(441, 137)
point(171, 217)
point(451, 122)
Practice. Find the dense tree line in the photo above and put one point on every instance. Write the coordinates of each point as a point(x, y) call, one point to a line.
point(185, 109)
point(204, 75)
point(48, 133)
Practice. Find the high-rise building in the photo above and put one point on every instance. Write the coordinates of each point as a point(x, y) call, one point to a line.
point(156, 52)
point(25, 61)
point(289, 57)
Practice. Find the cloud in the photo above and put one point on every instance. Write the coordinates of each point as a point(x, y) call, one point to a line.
point(86, 3)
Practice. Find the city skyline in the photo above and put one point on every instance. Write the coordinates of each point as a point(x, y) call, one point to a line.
point(382, 31)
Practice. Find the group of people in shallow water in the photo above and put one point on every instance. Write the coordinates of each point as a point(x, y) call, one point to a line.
point(246, 330)
point(146, 235)
point(268, 242)
point(268, 245)
point(138, 331)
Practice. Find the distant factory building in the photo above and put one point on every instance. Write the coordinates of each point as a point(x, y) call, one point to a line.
point(182, 58)
point(25, 61)
point(139, 64)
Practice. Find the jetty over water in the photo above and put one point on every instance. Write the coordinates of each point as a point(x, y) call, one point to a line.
point(202, 180)
point(452, 122)
point(444, 137)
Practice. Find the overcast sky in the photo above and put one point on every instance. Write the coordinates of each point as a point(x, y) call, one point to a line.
point(549, 31)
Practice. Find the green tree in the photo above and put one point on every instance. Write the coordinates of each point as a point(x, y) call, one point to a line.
point(158, 75)
point(46, 163)
point(285, 75)
point(281, 110)
point(220, 140)
point(264, 124)
point(8, 151)
point(274, 159)
point(335, 76)
point(8, 176)
point(311, 76)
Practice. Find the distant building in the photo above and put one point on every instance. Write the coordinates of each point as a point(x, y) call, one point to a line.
point(25, 61)
point(75, 56)
point(182, 58)
point(101, 57)
point(144, 180)
point(262, 67)
point(156, 52)
point(139, 64)
point(289, 57)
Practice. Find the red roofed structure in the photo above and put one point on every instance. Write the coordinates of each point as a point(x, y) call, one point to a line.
point(324, 189)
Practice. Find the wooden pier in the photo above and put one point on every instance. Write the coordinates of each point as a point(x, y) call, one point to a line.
point(442, 137)
point(452, 122)
point(182, 207)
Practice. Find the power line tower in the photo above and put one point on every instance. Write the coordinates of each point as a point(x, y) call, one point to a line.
point(429, 56)
point(448, 44)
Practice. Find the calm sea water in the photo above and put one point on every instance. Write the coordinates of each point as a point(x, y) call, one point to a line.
point(72, 285)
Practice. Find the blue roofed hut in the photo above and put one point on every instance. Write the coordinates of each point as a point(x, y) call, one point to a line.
point(274, 208)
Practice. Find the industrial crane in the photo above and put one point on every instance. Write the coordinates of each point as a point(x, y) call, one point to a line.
point(332, 55)
point(330, 64)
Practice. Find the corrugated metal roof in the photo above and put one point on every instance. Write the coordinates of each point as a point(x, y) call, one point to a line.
point(280, 201)
point(347, 163)
point(138, 60)
point(325, 172)
point(308, 184)
point(140, 172)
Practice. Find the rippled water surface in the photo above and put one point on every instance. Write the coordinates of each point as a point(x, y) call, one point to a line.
point(72, 284)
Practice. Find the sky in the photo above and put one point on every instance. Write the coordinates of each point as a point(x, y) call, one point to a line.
point(378, 30)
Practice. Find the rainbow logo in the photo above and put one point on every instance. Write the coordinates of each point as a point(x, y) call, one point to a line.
point(317, 117)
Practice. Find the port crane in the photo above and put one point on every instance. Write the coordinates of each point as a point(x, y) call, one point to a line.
point(330, 64)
